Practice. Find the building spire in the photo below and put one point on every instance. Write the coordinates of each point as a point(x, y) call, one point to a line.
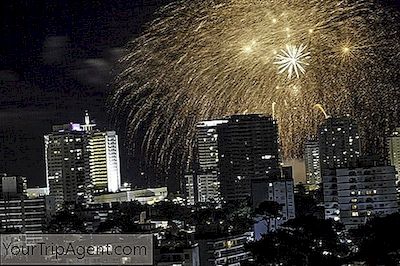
point(87, 118)
point(88, 126)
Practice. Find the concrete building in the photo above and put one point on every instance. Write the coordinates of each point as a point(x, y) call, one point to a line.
point(23, 215)
point(81, 161)
point(190, 193)
point(102, 161)
point(393, 148)
point(339, 143)
point(207, 144)
point(203, 182)
point(33, 193)
point(312, 163)
point(12, 186)
point(280, 191)
point(18, 213)
point(353, 195)
point(248, 148)
point(224, 251)
point(144, 196)
point(65, 165)
point(182, 256)
point(208, 187)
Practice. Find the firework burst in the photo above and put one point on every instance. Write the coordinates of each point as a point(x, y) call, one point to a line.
point(204, 59)
point(293, 59)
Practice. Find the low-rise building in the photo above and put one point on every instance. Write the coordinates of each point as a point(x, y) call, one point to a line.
point(21, 214)
point(144, 196)
point(34, 193)
point(225, 250)
point(182, 256)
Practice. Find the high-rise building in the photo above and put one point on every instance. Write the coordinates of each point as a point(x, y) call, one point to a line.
point(65, 163)
point(393, 148)
point(81, 160)
point(207, 144)
point(248, 149)
point(208, 187)
point(312, 162)
point(354, 195)
point(339, 143)
point(202, 184)
point(190, 189)
point(102, 161)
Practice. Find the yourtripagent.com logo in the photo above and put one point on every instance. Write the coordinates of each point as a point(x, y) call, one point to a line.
point(63, 249)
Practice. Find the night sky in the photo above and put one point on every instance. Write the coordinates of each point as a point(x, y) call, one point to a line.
point(56, 60)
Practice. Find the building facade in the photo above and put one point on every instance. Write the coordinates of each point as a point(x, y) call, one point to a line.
point(202, 183)
point(228, 250)
point(312, 163)
point(248, 149)
point(339, 143)
point(65, 163)
point(279, 191)
point(102, 165)
point(354, 195)
point(183, 256)
point(12, 186)
point(144, 196)
point(393, 148)
point(18, 213)
point(80, 161)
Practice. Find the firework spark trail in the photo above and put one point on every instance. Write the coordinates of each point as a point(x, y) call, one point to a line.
point(205, 59)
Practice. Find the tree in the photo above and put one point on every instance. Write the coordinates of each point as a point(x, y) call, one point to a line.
point(269, 210)
point(302, 241)
point(122, 218)
point(67, 221)
point(378, 241)
point(308, 203)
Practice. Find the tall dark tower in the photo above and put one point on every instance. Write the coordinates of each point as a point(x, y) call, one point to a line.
point(339, 143)
point(248, 150)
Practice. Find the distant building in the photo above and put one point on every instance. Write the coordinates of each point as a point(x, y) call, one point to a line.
point(19, 213)
point(12, 186)
point(80, 161)
point(182, 256)
point(280, 191)
point(208, 187)
point(224, 250)
point(102, 161)
point(353, 195)
point(312, 162)
point(393, 148)
point(144, 196)
point(202, 184)
point(207, 142)
point(65, 164)
point(190, 193)
point(23, 215)
point(34, 193)
point(248, 148)
point(339, 143)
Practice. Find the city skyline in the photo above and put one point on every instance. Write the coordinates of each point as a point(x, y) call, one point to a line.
point(200, 132)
